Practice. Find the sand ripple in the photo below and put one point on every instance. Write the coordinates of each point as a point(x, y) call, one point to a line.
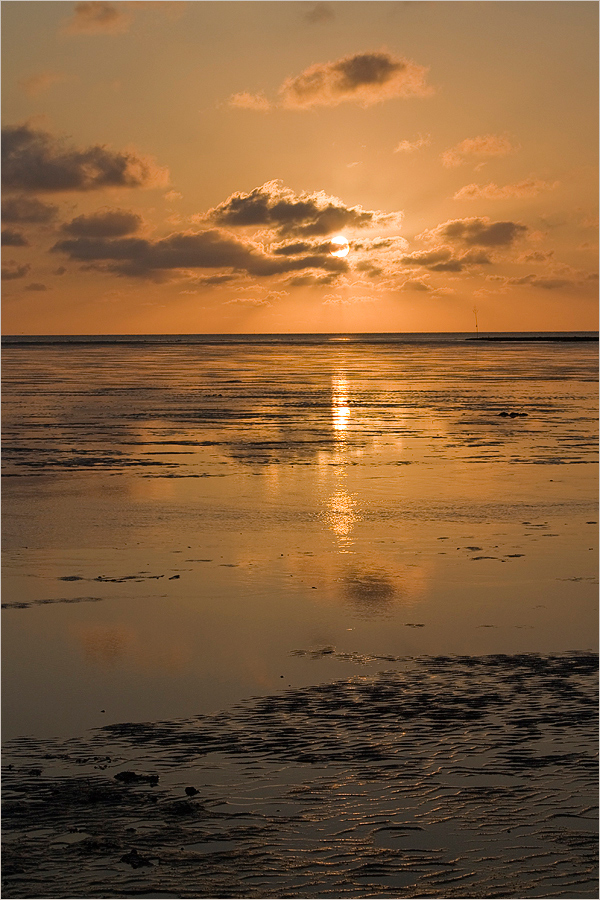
point(457, 777)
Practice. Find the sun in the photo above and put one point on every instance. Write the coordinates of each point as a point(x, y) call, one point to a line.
point(341, 245)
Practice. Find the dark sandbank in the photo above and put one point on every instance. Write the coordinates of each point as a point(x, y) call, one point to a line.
point(455, 777)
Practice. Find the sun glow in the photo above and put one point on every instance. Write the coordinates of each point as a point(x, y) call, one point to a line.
point(341, 245)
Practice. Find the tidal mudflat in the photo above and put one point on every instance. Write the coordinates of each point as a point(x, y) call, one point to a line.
point(338, 595)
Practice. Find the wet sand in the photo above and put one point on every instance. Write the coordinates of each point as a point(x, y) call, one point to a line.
point(456, 777)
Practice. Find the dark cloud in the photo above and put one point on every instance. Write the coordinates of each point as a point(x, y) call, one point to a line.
point(36, 286)
point(304, 247)
point(104, 223)
point(416, 285)
point(27, 210)
point(365, 78)
point(212, 249)
point(294, 215)
point(312, 280)
point(11, 238)
point(34, 160)
point(211, 280)
point(480, 232)
point(60, 271)
point(547, 283)
point(98, 18)
point(442, 259)
point(12, 270)
point(370, 270)
point(318, 13)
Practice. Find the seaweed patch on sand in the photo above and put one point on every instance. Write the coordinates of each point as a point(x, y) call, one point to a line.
point(456, 777)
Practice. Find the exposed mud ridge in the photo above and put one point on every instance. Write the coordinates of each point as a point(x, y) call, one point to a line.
point(456, 777)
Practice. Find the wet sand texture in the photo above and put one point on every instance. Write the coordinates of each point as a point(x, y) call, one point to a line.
point(458, 777)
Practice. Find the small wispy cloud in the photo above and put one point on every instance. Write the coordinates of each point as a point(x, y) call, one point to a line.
point(245, 100)
point(486, 145)
point(98, 17)
point(41, 82)
point(528, 188)
point(411, 146)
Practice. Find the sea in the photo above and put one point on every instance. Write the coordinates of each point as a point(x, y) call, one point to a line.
point(184, 514)
point(300, 615)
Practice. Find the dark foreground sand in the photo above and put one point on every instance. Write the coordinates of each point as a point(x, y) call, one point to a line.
point(456, 777)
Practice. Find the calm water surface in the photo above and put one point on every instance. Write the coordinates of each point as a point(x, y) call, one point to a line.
point(188, 525)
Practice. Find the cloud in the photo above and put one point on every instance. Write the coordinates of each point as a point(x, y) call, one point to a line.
point(547, 283)
point(491, 191)
point(40, 82)
point(245, 100)
point(27, 210)
point(34, 160)
point(98, 18)
point(36, 286)
point(294, 215)
point(534, 256)
point(60, 271)
point(12, 270)
point(352, 299)
point(480, 232)
point(416, 284)
point(442, 259)
point(312, 280)
point(410, 147)
point(213, 249)
point(485, 145)
point(104, 223)
point(364, 78)
point(247, 301)
point(11, 238)
point(319, 13)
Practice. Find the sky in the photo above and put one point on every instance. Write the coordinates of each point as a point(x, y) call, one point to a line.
point(271, 167)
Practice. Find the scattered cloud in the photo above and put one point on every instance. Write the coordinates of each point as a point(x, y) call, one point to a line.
point(245, 100)
point(173, 195)
point(41, 82)
point(319, 13)
point(105, 223)
point(350, 300)
point(442, 259)
point(214, 280)
point(12, 270)
point(27, 210)
point(247, 301)
point(34, 160)
point(536, 256)
point(411, 146)
point(276, 207)
point(98, 17)
point(11, 238)
point(36, 286)
point(364, 78)
point(312, 280)
point(480, 232)
point(213, 249)
point(60, 271)
point(529, 188)
point(484, 146)
point(416, 284)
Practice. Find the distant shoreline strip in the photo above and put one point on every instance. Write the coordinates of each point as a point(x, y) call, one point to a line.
point(293, 339)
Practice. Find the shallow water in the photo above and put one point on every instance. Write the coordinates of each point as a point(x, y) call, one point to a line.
point(186, 526)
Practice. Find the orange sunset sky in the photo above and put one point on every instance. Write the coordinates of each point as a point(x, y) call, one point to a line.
point(183, 167)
